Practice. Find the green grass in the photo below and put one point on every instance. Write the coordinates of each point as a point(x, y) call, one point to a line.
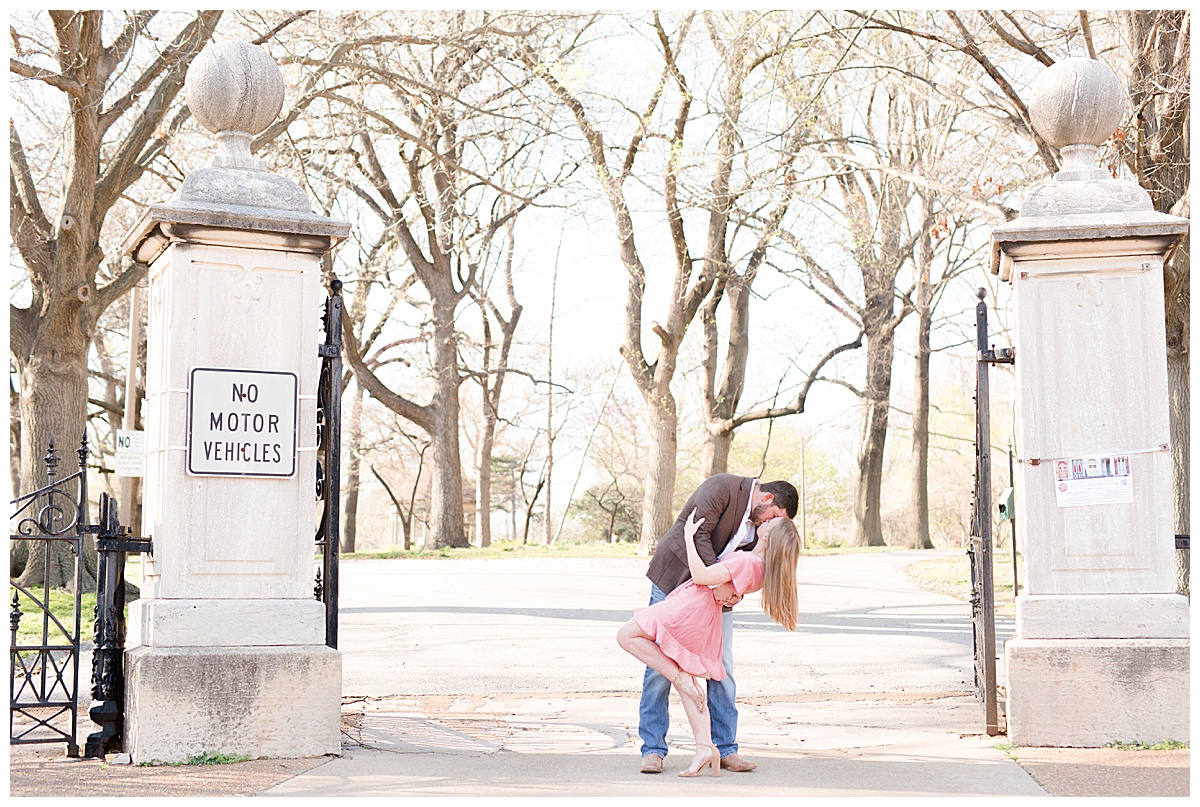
point(205, 758)
point(953, 576)
point(850, 550)
point(1167, 745)
point(512, 549)
point(61, 601)
point(502, 549)
point(61, 604)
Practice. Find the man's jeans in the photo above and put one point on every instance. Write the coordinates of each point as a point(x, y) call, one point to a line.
point(653, 719)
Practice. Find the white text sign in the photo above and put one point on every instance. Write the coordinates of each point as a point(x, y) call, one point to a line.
point(130, 458)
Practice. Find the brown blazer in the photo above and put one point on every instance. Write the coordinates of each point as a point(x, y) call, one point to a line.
point(722, 500)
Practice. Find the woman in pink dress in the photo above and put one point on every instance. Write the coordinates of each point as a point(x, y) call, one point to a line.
point(680, 637)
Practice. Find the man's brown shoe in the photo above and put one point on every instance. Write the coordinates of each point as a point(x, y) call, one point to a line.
point(736, 764)
point(652, 763)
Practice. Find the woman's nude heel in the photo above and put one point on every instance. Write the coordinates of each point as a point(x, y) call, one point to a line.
point(713, 762)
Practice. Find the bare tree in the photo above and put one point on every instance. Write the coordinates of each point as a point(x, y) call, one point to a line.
point(945, 252)
point(440, 138)
point(494, 368)
point(870, 198)
point(689, 289)
point(1152, 49)
point(406, 510)
point(114, 98)
point(745, 44)
point(1159, 155)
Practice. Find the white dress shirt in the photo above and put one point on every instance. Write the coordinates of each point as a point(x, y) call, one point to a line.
point(745, 533)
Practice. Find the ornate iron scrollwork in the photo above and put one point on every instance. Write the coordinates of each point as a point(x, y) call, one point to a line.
point(108, 664)
point(328, 482)
point(44, 669)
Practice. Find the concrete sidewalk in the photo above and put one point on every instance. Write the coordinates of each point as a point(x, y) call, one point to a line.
point(587, 745)
point(870, 697)
point(584, 745)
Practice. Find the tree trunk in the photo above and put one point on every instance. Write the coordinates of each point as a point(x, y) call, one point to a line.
point(716, 452)
point(658, 503)
point(483, 477)
point(353, 472)
point(720, 403)
point(52, 405)
point(1178, 386)
point(1159, 83)
point(446, 519)
point(537, 491)
point(49, 341)
point(868, 524)
point(919, 537)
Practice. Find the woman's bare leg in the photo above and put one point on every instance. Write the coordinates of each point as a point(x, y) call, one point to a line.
point(701, 726)
point(641, 645)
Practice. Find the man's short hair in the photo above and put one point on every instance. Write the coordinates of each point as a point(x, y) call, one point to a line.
point(785, 495)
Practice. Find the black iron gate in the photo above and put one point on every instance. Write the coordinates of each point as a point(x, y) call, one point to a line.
point(329, 461)
point(983, 599)
point(108, 657)
point(44, 671)
point(44, 658)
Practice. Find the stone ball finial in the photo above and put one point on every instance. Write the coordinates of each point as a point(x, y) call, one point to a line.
point(234, 86)
point(1077, 102)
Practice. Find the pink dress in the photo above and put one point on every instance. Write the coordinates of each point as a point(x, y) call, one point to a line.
point(687, 624)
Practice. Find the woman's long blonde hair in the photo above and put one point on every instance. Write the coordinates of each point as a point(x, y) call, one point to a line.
point(779, 597)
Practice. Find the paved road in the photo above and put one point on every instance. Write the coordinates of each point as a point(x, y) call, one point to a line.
point(501, 678)
point(548, 625)
point(485, 678)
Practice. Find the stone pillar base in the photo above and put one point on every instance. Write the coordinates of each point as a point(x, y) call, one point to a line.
point(281, 702)
point(1086, 693)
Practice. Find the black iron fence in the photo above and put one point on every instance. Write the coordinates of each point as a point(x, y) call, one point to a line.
point(329, 461)
point(108, 656)
point(983, 597)
point(49, 524)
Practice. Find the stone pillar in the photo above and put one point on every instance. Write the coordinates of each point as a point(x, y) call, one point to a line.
point(225, 651)
point(1102, 642)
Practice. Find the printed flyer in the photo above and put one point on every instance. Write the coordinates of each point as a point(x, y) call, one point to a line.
point(1097, 479)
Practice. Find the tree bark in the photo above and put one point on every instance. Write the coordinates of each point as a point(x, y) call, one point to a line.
point(657, 511)
point(53, 406)
point(446, 514)
point(868, 523)
point(919, 537)
point(353, 472)
point(716, 452)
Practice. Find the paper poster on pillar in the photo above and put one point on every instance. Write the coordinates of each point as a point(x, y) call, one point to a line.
point(1092, 480)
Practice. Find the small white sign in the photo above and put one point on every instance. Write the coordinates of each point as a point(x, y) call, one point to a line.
point(130, 459)
point(241, 423)
point(1097, 479)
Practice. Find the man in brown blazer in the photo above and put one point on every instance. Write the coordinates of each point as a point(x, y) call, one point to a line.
point(732, 507)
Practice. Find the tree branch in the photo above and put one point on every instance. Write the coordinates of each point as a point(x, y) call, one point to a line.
point(125, 166)
point(798, 407)
point(421, 416)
